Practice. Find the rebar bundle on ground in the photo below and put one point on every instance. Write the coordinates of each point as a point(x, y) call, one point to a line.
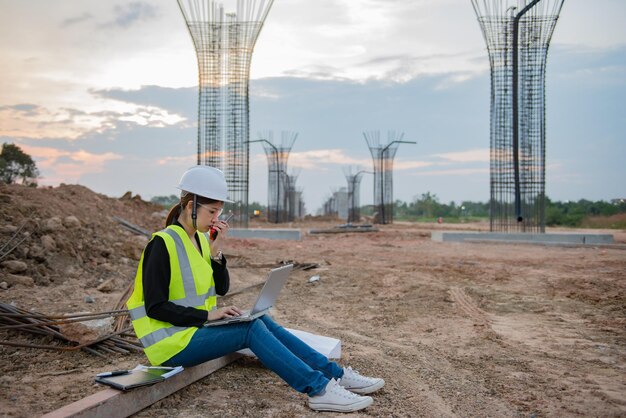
point(132, 227)
point(224, 42)
point(517, 33)
point(17, 319)
point(13, 242)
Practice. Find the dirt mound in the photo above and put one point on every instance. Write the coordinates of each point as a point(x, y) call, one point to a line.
point(69, 234)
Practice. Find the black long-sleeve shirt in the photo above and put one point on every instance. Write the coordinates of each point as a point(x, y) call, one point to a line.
point(156, 283)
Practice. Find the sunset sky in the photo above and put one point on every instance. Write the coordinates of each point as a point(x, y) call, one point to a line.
point(104, 94)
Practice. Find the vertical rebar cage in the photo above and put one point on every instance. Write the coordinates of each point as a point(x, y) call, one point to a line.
point(382, 156)
point(517, 34)
point(354, 195)
point(224, 43)
point(292, 197)
point(278, 182)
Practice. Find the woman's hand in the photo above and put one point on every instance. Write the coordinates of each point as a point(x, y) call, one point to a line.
point(222, 228)
point(225, 312)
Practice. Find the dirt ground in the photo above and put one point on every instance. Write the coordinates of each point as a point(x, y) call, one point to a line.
point(455, 329)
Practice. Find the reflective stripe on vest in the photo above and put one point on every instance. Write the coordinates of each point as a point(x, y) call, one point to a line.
point(189, 301)
point(159, 335)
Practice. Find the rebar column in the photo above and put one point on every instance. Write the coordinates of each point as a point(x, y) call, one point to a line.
point(354, 187)
point(224, 42)
point(293, 203)
point(329, 208)
point(277, 179)
point(517, 34)
point(337, 204)
point(382, 156)
point(301, 207)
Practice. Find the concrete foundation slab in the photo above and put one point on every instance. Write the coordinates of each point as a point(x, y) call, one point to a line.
point(546, 239)
point(284, 234)
point(341, 230)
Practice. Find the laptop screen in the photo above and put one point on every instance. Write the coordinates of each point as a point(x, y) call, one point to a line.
point(275, 281)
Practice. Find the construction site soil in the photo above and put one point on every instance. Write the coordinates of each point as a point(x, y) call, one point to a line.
point(455, 329)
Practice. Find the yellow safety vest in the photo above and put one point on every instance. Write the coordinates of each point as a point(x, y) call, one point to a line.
point(191, 285)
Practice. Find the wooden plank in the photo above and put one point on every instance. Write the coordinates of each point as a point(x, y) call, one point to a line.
point(110, 403)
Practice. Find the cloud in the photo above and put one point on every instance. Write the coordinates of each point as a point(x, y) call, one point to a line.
point(322, 158)
point(189, 160)
point(21, 107)
point(34, 121)
point(454, 172)
point(24, 109)
point(151, 116)
point(128, 14)
point(75, 20)
point(265, 93)
point(179, 101)
point(316, 72)
point(327, 159)
point(474, 155)
point(401, 68)
point(67, 166)
point(408, 165)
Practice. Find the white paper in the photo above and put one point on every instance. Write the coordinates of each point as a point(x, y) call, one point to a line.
point(172, 370)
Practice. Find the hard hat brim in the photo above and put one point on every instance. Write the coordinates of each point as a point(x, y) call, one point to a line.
point(208, 197)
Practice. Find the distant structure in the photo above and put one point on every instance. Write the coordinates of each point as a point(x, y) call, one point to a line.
point(277, 177)
point(354, 187)
point(337, 204)
point(382, 156)
point(294, 203)
point(517, 33)
point(224, 43)
point(299, 207)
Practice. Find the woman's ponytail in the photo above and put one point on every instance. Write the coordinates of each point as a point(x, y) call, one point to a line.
point(173, 214)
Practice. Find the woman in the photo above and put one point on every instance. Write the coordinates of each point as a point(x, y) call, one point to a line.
point(179, 275)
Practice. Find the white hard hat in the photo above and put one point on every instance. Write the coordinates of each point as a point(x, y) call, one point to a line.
point(205, 181)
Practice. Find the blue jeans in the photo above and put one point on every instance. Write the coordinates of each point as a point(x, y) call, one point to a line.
point(303, 368)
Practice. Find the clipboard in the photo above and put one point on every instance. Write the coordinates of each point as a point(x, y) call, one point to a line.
point(136, 378)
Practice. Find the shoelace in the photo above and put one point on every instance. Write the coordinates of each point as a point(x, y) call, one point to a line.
point(356, 375)
point(341, 391)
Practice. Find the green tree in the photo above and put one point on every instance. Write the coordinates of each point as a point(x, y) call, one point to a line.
point(427, 205)
point(166, 201)
point(16, 165)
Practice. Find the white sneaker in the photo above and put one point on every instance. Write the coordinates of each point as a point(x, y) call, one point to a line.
point(338, 399)
point(356, 383)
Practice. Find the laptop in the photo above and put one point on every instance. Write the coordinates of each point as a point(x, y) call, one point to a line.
point(275, 281)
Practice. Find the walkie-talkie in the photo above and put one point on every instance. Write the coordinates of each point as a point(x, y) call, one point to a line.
point(213, 231)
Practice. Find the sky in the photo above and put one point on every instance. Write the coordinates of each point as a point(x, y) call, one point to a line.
point(104, 94)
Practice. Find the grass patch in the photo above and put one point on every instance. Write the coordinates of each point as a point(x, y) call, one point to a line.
point(617, 221)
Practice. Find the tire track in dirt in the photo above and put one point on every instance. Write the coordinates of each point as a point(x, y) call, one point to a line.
point(467, 305)
point(430, 384)
point(557, 336)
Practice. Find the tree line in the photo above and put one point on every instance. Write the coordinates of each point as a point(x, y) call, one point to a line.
point(568, 213)
point(428, 208)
